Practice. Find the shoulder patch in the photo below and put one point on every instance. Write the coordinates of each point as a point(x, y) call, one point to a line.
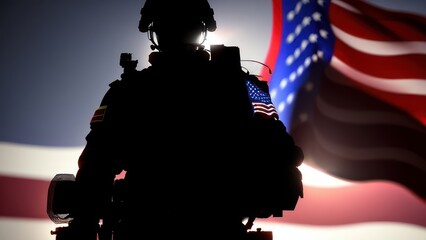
point(260, 99)
point(99, 114)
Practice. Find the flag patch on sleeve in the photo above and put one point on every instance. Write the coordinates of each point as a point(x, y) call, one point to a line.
point(261, 101)
point(99, 114)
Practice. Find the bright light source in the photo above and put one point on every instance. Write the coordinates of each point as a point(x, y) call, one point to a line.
point(316, 178)
point(211, 39)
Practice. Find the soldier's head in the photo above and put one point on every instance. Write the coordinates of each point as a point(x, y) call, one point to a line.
point(174, 25)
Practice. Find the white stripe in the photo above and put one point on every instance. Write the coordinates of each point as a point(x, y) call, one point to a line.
point(315, 178)
point(346, 6)
point(364, 231)
point(45, 162)
point(37, 162)
point(399, 86)
point(28, 229)
point(381, 48)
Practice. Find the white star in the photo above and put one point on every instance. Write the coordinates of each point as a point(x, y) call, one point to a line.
point(283, 83)
point(321, 3)
point(297, 53)
point(306, 20)
point(289, 60)
point(298, 29)
point(300, 70)
point(290, 38)
point(290, 16)
point(323, 33)
point(292, 77)
point(290, 98)
point(316, 16)
point(298, 7)
point(313, 38)
point(305, 1)
point(304, 44)
point(307, 62)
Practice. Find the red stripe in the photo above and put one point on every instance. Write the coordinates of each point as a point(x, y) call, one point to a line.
point(403, 67)
point(383, 25)
point(22, 197)
point(378, 201)
point(391, 67)
point(378, 24)
point(98, 116)
point(275, 43)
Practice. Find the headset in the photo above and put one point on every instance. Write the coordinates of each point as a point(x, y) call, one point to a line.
point(170, 23)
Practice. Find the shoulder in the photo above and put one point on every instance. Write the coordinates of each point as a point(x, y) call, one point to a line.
point(260, 98)
point(115, 89)
point(130, 80)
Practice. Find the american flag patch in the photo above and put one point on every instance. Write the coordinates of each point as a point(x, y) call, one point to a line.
point(261, 101)
point(99, 114)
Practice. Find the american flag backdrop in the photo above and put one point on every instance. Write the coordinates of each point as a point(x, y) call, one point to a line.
point(348, 80)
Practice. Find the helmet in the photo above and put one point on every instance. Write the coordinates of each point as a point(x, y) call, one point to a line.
point(174, 25)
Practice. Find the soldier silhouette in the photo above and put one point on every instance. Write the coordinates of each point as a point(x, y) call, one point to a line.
point(199, 156)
